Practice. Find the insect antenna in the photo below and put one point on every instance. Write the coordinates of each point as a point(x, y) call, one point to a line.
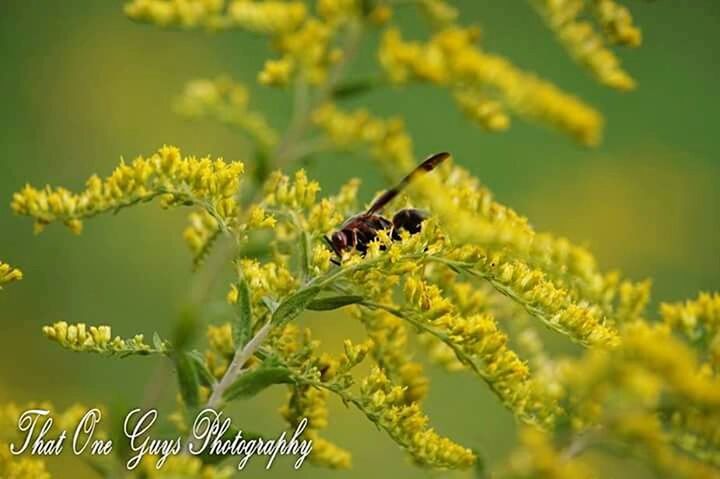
point(428, 165)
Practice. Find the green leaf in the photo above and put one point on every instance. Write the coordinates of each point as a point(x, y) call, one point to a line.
point(354, 88)
point(333, 302)
point(188, 378)
point(305, 253)
point(294, 305)
point(252, 382)
point(262, 165)
point(186, 329)
point(204, 375)
point(243, 323)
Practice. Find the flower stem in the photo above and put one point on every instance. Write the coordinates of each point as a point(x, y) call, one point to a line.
point(235, 369)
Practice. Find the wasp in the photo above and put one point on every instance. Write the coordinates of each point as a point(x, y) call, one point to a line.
point(359, 230)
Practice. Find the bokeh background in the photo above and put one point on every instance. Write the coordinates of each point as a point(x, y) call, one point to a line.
point(80, 86)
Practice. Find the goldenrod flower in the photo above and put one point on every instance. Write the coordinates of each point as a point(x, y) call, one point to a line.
point(25, 466)
point(451, 58)
point(266, 280)
point(490, 114)
point(617, 23)
point(385, 404)
point(98, 339)
point(200, 233)
point(8, 274)
point(298, 194)
point(270, 17)
point(210, 184)
point(651, 393)
point(311, 403)
point(478, 343)
point(226, 101)
point(327, 454)
point(467, 208)
point(390, 336)
point(308, 50)
point(184, 13)
point(276, 72)
point(584, 44)
point(14, 467)
point(552, 305)
point(440, 12)
point(699, 321)
point(537, 458)
point(338, 11)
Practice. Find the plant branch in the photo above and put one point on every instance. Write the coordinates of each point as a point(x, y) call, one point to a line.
point(235, 369)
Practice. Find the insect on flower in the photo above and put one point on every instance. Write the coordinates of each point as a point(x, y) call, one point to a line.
point(361, 229)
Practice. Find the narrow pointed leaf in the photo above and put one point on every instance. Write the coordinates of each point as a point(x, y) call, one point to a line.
point(243, 323)
point(294, 305)
point(188, 379)
point(204, 375)
point(333, 302)
point(252, 382)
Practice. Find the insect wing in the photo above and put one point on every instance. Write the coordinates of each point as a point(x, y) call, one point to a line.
point(428, 165)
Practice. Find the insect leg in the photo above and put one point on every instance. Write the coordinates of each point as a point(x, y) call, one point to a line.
point(331, 245)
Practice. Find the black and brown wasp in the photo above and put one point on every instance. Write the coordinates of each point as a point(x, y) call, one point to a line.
point(359, 230)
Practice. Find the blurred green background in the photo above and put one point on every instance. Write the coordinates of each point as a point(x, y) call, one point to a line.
point(80, 86)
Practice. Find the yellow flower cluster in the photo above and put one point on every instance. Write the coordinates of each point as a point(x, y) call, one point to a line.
point(306, 50)
point(537, 458)
point(585, 44)
point(390, 336)
point(276, 72)
point(210, 184)
point(297, 194)
point(386, 261)
point(319, 374)
point(542, 299)
point(311, 403)
point(451, 58)
point(99, 339)
point(337, 11)
point(200, 233)
point(8, 274)
point(63, 418)
point(699, 321)
point(467, 209)
point(478, 343)
point(221, 348)
point(183, 13)
point(14, 467)
point(646, 435)
point(268, 16)
point(408, 426)
point(652, 394)
point(266, 280)
point(226, 101)
point(439, 11)
point(544, 367)
point(617, 22)
point(388, 140)
point(488, 113)
point(24, 467)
